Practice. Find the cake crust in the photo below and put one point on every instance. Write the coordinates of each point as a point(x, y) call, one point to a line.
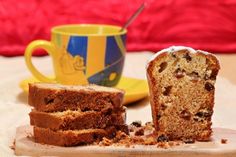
point(181, 83)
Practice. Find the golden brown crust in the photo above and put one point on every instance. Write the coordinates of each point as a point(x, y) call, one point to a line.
point(75, 120)
point(182, 93)
point(50, 100)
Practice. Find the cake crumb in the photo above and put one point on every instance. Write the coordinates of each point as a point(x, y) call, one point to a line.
point(164, 145)
point(139, 132)
point(140, 135)
point(150, 141)
point(105, 142)
point(224, 141)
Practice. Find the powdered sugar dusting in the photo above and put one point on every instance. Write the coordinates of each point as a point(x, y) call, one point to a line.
point(174, 49)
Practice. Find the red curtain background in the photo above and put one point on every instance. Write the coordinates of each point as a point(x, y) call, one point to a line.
point(209, 25)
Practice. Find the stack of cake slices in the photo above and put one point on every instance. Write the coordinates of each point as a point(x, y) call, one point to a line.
point(75, 115)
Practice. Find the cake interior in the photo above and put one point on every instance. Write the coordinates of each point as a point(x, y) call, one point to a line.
point(183, 94)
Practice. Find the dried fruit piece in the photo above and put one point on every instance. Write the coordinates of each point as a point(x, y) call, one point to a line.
point(108, 112)
point(179, 73)
point(185, 114)
point(214, 74)
point(187, 57)
point(204, 113)
point(188, 141)
point(162, 67)
point(158, 116)
point(173, 55)
point(167, 90)
point(162, 138)
point(48, 100)
point(224, 141)
point(123, 128)
point(209, 86)
point(85, 109)
point(137, 123)
point(163, 107)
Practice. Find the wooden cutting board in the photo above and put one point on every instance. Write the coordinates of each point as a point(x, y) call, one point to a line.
point(25, 145)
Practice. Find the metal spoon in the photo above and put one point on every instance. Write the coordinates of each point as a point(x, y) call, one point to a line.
point(131, 19)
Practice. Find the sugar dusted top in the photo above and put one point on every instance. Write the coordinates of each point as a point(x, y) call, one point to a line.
point(174, 49)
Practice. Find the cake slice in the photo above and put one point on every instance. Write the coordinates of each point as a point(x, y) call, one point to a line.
point(76, 120)
point(54, 97)
point(69, 137)
point(181, 82)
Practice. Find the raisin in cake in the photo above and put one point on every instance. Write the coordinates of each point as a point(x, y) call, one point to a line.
point(181, 82)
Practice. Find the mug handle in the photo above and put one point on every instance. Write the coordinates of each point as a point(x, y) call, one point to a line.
point(42, 44)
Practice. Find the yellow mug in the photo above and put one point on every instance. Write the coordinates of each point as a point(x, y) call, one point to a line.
point(82, 54)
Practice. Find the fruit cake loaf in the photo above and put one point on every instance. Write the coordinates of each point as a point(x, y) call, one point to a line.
point(54, 97)
point(181, 82)
point(76, 120)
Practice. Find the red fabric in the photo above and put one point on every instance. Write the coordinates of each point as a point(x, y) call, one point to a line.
point(209, 25)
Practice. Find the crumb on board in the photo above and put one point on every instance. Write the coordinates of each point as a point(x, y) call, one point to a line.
point(140, 135)
point(105, 142)
point(224, 141)
point(139, 132)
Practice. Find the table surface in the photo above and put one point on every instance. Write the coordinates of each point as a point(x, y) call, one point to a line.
point(14, 109)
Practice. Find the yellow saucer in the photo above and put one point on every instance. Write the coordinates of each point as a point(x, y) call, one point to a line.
point(135, 89)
